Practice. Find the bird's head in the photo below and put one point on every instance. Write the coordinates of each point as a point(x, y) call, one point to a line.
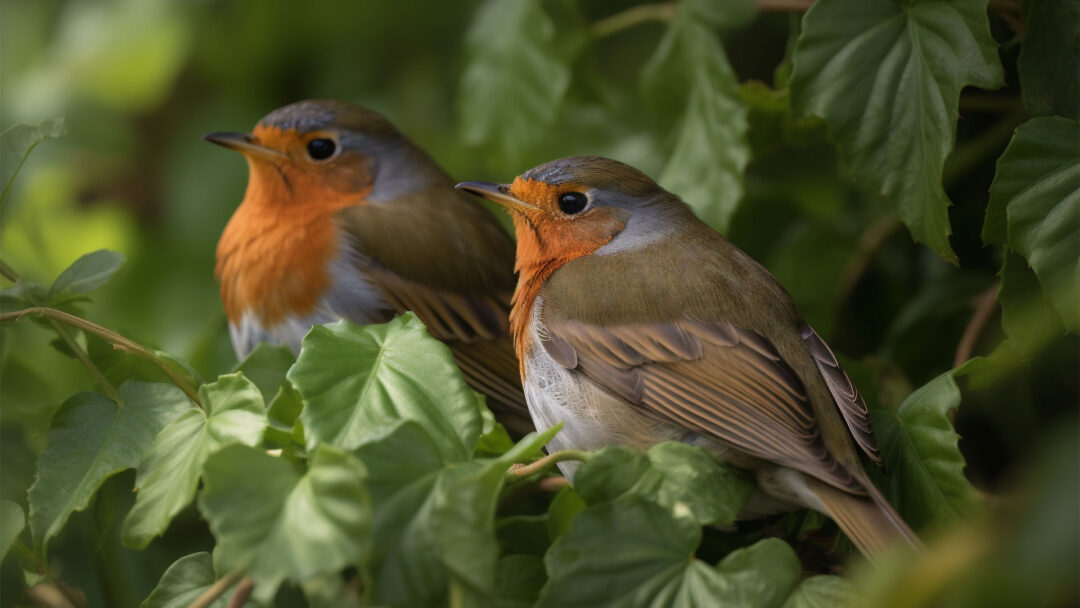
point(571, 207)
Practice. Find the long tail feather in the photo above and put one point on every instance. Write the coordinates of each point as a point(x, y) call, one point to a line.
point(871, 523)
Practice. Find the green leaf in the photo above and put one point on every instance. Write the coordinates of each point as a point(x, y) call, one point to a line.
point(92, 438)
point(12, 522)
point(170, 468)
point(886, 76)
point(1050, 58)
point(634, 553)
point(518, 580)
point(562, 510)
point(15, 146)
point(1035, 207)
point(1026, 314)
point(690, 73)
point(686, 480)
point(921, 452)
point(514, 80)
point(359, 382)
point(821, 592)
point(279, 523)
point(266, 367)
point(85, 274)
point(185, 580)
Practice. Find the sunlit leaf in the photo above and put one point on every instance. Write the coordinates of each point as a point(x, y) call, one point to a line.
point(12, 522)
point(1035, 207)
point(886, 76)
point(185, 580)
point(634, 553)
point(15, 146)
point(1050, 52)
point(85, 274)
point(514, 81)
point(359, 381)
point(92, 438)
point(280, 523)
point(687, 480)
point(170, 468)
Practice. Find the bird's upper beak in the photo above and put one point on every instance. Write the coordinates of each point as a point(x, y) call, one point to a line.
point(242, 143)
point(496, 193)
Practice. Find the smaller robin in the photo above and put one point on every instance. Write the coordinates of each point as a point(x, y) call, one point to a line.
point(636, 323)
point(346, 218)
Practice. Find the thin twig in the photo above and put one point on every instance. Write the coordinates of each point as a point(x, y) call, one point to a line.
point(9, 272)
point(627, 19)
point(218, 588)
point(552, 484)
point(870, 241)
point(541, 464)
point(119, 342)
point(985, 303)
point(243, 593)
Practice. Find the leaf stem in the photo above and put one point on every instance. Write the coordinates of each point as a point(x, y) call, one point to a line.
point(81, 354)
point(984, 304)
point(119, 342)
point(631, 17)
point(525, 470)
point(218, 588)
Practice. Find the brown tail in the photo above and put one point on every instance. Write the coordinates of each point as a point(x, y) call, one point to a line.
point(491, 368)
point(870, 522)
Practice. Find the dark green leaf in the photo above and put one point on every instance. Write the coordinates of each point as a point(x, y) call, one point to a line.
point(562, 510)
point(1035, 207)
point(266, 367)
point(91, 439)
point(279, 523)
point(170, 468)
point(821, 592)
point(518, 580)
point(726, 14)
point(85, 274)
point(514, 81)
point(886, 76)
point(16, 144)
point(687, 480)
point(359, 382)
point(12, 522)
point(1026, 315)
point(185, 580)
point(689, 73)
point(1049, 55)
point(631, 552)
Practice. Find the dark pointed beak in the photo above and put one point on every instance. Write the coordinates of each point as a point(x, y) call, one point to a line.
point(496, 193)
point(242, 143)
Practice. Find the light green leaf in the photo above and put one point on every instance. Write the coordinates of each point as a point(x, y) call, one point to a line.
point(921, 452)
point(562, 510)
point(1050, 58)
point(690, 72)
point(514, 81)
point(886, 75)
point(185, 580)
point(1035, 207)
point(92, 438)
point(821, 592)
point(12, 522)
point(170, 468)
point(280, 523)
point(634, 553)
point(686, 480)
point(15, 146)
point(359, 382)
point(266, 367)
point(85, 274)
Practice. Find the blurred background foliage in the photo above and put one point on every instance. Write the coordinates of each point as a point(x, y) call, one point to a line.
point(138, 82)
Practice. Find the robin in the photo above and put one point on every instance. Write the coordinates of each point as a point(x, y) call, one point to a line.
point(346, 218)
point(636, 323)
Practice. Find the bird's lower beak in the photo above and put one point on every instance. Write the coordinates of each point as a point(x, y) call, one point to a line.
point(496, 193)
point(242, 143)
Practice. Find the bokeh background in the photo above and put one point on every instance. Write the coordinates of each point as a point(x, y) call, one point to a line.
point(139, 81)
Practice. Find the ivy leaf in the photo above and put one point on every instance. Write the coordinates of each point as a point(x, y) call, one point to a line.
point(1049, 55)
point(91, 439)
point(185, 580)
point(170, 468)
point(921, 451)
point(632, 552)
point(514, 81)
point(358, 382)
point(1035, 208)
point(821, 592)
point(690, 73)
point(280, 523)
point(85, 274)
point(12, 522)
point(266, 367)
point(686, 480)
point(15, 146)
point(886, 76)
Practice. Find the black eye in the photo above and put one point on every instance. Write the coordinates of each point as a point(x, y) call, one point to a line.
point(572, 202)
point(321, 149)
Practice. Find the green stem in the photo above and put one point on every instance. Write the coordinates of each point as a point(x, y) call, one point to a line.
point(119, 342)
point(9, 272)
point(631, 17)
point(107, 386)
point(546, 461)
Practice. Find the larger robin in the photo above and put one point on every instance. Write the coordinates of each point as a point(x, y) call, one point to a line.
point(636, 323)
point(346, 218)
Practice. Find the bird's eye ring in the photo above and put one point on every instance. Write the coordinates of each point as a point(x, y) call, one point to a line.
point(572, 202)
point(321, 149)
